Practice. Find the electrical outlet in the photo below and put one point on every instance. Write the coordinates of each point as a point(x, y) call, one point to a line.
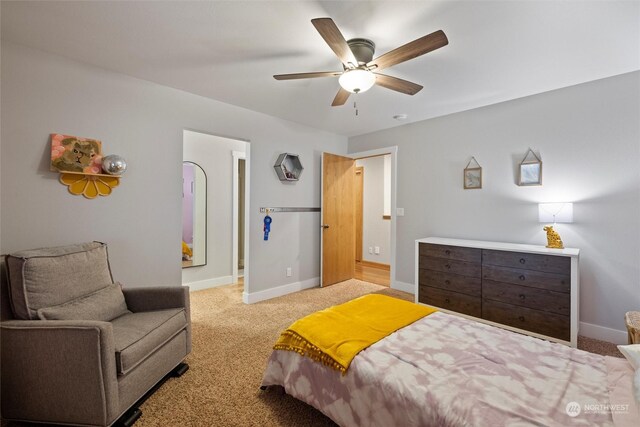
point(370, 249)
point(377, 250)
point(399, 211)
point(288, 271)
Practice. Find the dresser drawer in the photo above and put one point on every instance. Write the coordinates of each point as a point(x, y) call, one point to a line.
point(549, 324)
point(453, 301)
point(451, 252)
point(546, 263)
point(539, 299)
point(449, 266)
point(451, 282)
point(532, 278)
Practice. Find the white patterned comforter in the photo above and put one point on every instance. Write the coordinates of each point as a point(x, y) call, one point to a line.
point(444, 370)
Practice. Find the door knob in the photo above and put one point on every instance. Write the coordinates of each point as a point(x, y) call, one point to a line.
point(324, 226)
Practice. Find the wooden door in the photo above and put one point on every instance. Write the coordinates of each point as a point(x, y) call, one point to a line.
point(338, 219)
point(359, 194)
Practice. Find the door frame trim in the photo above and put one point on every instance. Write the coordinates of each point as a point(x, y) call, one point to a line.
point(235, 212)
point(360, 214)
point(393, 151)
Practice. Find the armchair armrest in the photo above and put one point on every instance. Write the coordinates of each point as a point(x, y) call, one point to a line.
point(160, 298)
point(156, 298)
point(62, 371)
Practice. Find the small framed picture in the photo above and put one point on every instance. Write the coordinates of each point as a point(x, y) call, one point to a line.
point(472, 175)
point(472, 178)
point(530, 170)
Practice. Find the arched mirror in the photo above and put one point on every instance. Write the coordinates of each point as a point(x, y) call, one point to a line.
point(194, 215)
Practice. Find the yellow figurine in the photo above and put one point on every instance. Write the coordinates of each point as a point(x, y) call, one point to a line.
point(553, 238)
point(187, 253)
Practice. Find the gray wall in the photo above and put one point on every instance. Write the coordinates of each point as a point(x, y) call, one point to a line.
point(143, 121)
point(376, 231)
point(589, 139)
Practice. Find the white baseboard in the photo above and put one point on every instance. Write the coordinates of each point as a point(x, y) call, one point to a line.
point(278, 291)
point(403, 286)
point(209, 283)
point(603, 334)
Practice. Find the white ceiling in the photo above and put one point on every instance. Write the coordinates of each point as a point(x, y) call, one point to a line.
point(228, 51)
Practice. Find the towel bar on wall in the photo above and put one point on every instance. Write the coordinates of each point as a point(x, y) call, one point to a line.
point(272, 210)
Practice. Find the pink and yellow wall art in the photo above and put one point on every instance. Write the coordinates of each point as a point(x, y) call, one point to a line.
point(75, 154)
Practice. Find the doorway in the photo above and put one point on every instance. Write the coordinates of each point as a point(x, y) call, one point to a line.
point(239, 217)
point(373, 219)
point(223, 202)
point(338, 222)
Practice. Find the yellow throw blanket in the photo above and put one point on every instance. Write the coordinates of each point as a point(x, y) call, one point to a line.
point(334, 336)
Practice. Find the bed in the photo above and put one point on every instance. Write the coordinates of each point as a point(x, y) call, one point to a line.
point(445, 370)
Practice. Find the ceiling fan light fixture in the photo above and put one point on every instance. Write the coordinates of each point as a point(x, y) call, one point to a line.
point(357, 81)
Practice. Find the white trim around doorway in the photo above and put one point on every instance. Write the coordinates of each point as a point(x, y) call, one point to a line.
point(237, 156)
point(393, 151)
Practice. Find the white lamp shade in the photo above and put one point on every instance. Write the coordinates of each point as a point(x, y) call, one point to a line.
point(555, 212)
point(357, 81)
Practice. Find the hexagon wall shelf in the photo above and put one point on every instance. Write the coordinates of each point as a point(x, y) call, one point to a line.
point(288, 167)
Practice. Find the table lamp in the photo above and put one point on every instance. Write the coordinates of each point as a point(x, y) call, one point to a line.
point(554, 213)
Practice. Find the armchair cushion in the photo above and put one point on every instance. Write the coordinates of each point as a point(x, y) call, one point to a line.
point(47, 277)
point(138, 335)
point(104, 304)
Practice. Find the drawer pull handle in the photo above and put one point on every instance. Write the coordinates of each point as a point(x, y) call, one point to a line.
point(447, 300)
point(522, 277)
point(447, 266)
point(522, 260)
point(447, 282)
point(521, 318)
point(522, 296)
point(448, 252)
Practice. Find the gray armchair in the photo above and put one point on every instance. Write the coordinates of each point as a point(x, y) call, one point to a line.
point(76, 348)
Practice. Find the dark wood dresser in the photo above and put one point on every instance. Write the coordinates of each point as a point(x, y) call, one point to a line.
point(525, 288)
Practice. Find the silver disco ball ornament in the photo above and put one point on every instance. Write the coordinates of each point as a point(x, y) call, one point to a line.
point(114, 164)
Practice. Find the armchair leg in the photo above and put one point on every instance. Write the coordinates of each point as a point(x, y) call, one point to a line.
point(179, 370)
point(129, 418)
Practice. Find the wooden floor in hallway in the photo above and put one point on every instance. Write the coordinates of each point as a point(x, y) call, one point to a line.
point(379, 276)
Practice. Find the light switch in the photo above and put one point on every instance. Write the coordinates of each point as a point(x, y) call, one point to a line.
point(399, 211)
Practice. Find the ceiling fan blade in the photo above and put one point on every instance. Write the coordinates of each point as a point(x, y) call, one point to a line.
point(334, 38)
point(307, 75)
point(340, 98)
point(397, 84)
point(410, 50)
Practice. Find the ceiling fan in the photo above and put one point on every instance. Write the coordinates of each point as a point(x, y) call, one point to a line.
point(360, 69)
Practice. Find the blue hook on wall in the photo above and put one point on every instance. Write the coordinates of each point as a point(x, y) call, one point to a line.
point(267, 225)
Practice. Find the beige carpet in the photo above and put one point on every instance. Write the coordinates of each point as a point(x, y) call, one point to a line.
point(231, 344)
